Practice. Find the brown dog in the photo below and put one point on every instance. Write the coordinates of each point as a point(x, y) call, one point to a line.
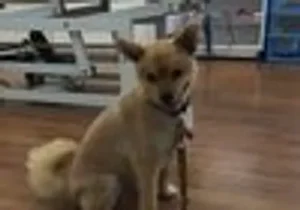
point(130, 143)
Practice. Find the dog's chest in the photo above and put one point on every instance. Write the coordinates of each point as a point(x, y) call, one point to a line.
point(163, 140)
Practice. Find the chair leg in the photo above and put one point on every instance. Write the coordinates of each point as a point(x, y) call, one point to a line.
point(182, 173)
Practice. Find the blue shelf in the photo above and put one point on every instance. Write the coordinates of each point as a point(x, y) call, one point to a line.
point(282, 31)
point(286, 12)
point(281, 60)
point(285, 4)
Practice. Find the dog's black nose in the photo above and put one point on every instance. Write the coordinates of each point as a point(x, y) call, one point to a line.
point(167, 98)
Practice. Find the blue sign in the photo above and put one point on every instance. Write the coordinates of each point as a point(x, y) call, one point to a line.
point(282, 30)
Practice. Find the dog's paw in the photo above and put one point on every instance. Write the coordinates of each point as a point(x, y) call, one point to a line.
point(168, 193)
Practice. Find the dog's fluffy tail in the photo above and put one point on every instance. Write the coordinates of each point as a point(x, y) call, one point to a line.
point(47, 167)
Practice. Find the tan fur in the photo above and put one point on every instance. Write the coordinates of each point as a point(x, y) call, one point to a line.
point(130, 144)
point(41, 162)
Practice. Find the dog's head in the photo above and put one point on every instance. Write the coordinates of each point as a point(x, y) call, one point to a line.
point(166, 68)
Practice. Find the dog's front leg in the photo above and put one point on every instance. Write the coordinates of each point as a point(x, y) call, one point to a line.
point(167, 190)
point(147, 183)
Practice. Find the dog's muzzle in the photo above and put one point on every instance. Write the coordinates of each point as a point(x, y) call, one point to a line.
point(172, 112)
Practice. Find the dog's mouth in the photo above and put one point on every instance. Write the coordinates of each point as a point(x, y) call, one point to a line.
point(173, 109)
point(172, 106)
point(178, 104)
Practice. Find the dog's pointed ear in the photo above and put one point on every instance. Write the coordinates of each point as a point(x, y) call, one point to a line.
point(188, 38)
point(131, 50)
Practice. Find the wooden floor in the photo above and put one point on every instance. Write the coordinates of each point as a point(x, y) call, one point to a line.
point(246, 154)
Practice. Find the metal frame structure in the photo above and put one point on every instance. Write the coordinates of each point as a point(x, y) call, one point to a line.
point(59, 7)
point(120, 21)
point(206, 12)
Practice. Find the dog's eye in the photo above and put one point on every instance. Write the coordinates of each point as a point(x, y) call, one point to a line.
point(176, 74)
point(151, 77)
